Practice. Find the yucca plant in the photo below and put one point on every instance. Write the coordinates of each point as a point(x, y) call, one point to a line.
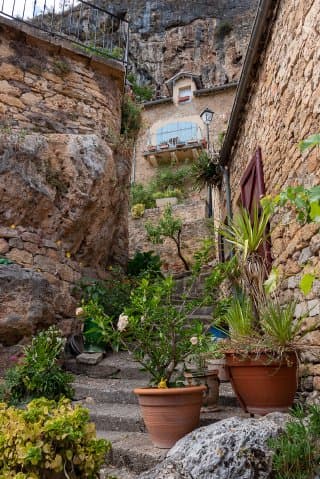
point(240, 319)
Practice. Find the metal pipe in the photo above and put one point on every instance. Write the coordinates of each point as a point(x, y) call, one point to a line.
point(210, 209)
point(226, 178)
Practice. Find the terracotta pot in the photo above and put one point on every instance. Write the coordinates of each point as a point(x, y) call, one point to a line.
point(169, 414)
point(210, 379)
point(220, 365)
point(262, 384)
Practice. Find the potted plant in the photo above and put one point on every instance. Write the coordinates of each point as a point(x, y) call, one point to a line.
point(160, 337)
point(262, 352)
point(199, 371)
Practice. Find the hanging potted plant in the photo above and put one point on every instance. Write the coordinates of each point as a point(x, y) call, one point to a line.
point(161, 338)
point(262, 352)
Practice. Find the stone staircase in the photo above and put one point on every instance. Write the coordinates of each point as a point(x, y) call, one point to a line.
point(106, 390)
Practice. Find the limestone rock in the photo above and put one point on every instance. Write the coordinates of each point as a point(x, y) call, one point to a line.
point(26, 300)
point(234, 448)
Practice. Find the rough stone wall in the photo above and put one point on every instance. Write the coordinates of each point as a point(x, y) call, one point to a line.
point(63, 188)
point(283, 108)
point(194, 230)
point(168, 36)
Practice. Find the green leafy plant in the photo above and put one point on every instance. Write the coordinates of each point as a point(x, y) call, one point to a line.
point(49, 438)
point(296, 452)
point(39, 373)
point(310, 142)
point(99, 330)
point(167, 227)
point(162, 335)
point(137, 211)
point(223, 29)
point(146, 262)
point(206, 171)
point(131, 119)
point(141, 92)
point(5, 261)
point(140, 194)
point(279, 325)
point(240, 319)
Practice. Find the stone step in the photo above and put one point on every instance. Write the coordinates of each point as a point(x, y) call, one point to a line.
point(107, 390)
point(114, 365)
point(114, 472)
point(127, 417)
point(132, 451)
point(120, 391)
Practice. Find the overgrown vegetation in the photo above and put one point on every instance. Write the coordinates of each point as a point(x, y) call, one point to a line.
point(206, 171)
point(297, 449)
point(49, 438)
point(223, 29)
point(38, 373)
point(61, 67)
point(146, 262)
point(141, 92)
point(103, 302)
point(131, 118)
point(167, 182)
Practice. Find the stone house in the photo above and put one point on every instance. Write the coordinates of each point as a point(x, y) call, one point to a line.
point(277, 104)
point(173, 134)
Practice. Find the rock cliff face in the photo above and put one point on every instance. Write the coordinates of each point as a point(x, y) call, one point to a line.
point(167, 36)
point(63, 187)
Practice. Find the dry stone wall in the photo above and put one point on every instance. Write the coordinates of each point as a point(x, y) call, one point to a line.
point(194, 230)
point(283, 108)
point(63, 186)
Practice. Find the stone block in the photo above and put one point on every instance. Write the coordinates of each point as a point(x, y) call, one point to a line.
point(4, 246)
point(11, 101)
point(313, 307)
point(45, 264)
point(316, 383)
point(90, 358)
point(301, 310)
point(8, 232)
point(20, 256)
point(67, 274)
point(16, 243)
point(305, 255)
point(31, 237)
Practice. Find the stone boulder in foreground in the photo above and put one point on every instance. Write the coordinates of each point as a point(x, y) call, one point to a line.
point(234, 448)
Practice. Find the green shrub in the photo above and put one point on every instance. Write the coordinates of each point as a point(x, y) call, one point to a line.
point(223, 29)
point(131, 118)
point(48, 438)
point(144, 263)
point(297, 450)
point(170, 178)
point(39, 374)
point(103, 302)
point(99, 330)
point(141, 195)
point(137, 211)
point(141, 92)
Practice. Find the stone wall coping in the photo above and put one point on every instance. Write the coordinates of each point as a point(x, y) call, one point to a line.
point(35, 37)
point(159, 101)
point(215, 89)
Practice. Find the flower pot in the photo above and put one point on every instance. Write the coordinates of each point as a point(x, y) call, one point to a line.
point(209, 378)
point(263, 384)
point(221, 367)
point(169, 414)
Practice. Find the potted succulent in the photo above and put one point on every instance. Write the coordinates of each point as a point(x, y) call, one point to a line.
point(262, 352)
point(161, 336)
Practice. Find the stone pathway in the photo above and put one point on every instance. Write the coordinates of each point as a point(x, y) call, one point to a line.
point(106, 389)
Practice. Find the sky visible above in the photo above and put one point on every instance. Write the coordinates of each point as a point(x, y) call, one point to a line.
point(27, 9)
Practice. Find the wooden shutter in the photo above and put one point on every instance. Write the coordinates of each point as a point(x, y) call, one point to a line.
point(252, 183)
point(252, 190)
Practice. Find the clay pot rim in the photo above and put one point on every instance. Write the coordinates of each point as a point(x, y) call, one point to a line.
point(147, 391)
point(255, 358)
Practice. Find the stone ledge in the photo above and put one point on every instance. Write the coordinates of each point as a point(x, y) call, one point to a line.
point(58, 45)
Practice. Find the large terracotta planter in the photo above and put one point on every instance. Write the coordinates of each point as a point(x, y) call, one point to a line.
point(262, 384)
point(169, 414)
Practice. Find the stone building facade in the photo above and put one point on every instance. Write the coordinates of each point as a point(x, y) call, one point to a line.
point(174, 134)
point(278, 104)
point(63, 183)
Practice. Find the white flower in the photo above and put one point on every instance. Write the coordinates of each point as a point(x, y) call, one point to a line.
point(79, 311)
point(122, 322)
point(194, 340)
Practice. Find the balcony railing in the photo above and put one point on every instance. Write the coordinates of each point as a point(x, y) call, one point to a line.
point(190, 137)
point(92, 28)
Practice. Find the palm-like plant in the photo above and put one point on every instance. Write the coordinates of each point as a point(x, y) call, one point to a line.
point(247, 234)
point(206, 171)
